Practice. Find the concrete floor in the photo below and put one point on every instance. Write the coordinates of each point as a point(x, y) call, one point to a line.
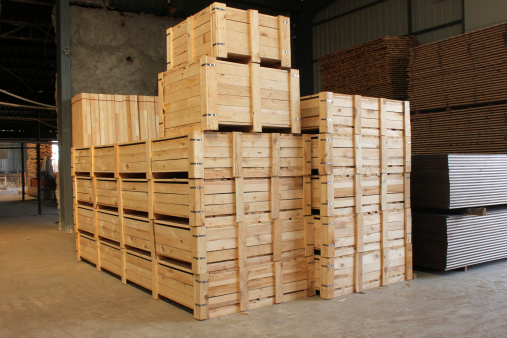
point(45, 292)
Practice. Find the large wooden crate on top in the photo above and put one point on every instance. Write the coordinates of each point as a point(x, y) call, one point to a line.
point(225, 32)
point(209, 94)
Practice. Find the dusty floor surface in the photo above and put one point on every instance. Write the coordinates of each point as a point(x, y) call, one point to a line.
point(45, 292)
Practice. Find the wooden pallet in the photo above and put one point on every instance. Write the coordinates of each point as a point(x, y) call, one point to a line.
point(230, 33)
point(209, 94)
point(101, 119)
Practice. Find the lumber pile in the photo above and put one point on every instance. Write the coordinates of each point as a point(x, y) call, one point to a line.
point(31, 165)
point(447, 241)
point(459, 180)
point(101, 119)
point(458, 95)
point(360, 195)
point(377, 68)
point(460, 217)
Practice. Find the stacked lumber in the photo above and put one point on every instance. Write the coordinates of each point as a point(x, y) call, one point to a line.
point(377, 68)
point(447, 241)
point(473, 130)
point(31, 165)
point(360, 196)
point(459, 180)
point(213, 219)
point(460, 218)
point(213, 214)
point(463, 70)
point(229, 33)
point(457, 93)
point(101, 119)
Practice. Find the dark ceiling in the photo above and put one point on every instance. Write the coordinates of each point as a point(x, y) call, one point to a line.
point(28, 51)
point(27, 68)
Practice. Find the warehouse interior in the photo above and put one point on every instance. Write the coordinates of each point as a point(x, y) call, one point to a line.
point(433, 69)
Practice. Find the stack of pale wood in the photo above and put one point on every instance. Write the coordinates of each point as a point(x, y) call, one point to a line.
point(31, 165)
point(222, 213)
point(377, 68)
point(461, 218)
point(458, 95)
point(360, 195)
point(100, 119)
point(212, 215)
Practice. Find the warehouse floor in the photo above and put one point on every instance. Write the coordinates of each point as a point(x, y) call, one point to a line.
point(45, 292)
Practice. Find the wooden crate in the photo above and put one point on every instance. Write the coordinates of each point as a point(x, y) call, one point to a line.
point(231, 33)
point(336, 154)
point(137, 232)
point(261, 283)
point(111, 258)
point(109, 225)
point(337, 236)
point(330, 113)
point(356, 272)
point(86, 248)
point(226, 201)
point(133, 159)
point(139, 269)
point(210, 94)
point(82, 161)
point(134, 195)
point(84, 219)
point(106, 192)
point(231, 154)
point(103, 119)
point(85, 191)
point(104, 161)
point(334, 195)
point(278, 239)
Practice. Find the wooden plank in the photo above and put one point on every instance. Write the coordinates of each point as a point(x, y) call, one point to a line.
point(278, 282)
point(196, 154)
point(284, 41)
point(237, 160)
point(201, 296)
point(218, 29)
point(255, 97)
point(275, 157)
point(254, 35)
point(294, 100)
point(133, 112)
point(209, 93)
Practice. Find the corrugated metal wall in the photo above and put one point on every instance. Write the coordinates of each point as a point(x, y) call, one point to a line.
point(10, 159)
point(347, 23)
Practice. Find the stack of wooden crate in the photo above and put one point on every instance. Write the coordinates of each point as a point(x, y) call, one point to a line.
point(235, 208)
point(360, 191)
point(212, 215)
